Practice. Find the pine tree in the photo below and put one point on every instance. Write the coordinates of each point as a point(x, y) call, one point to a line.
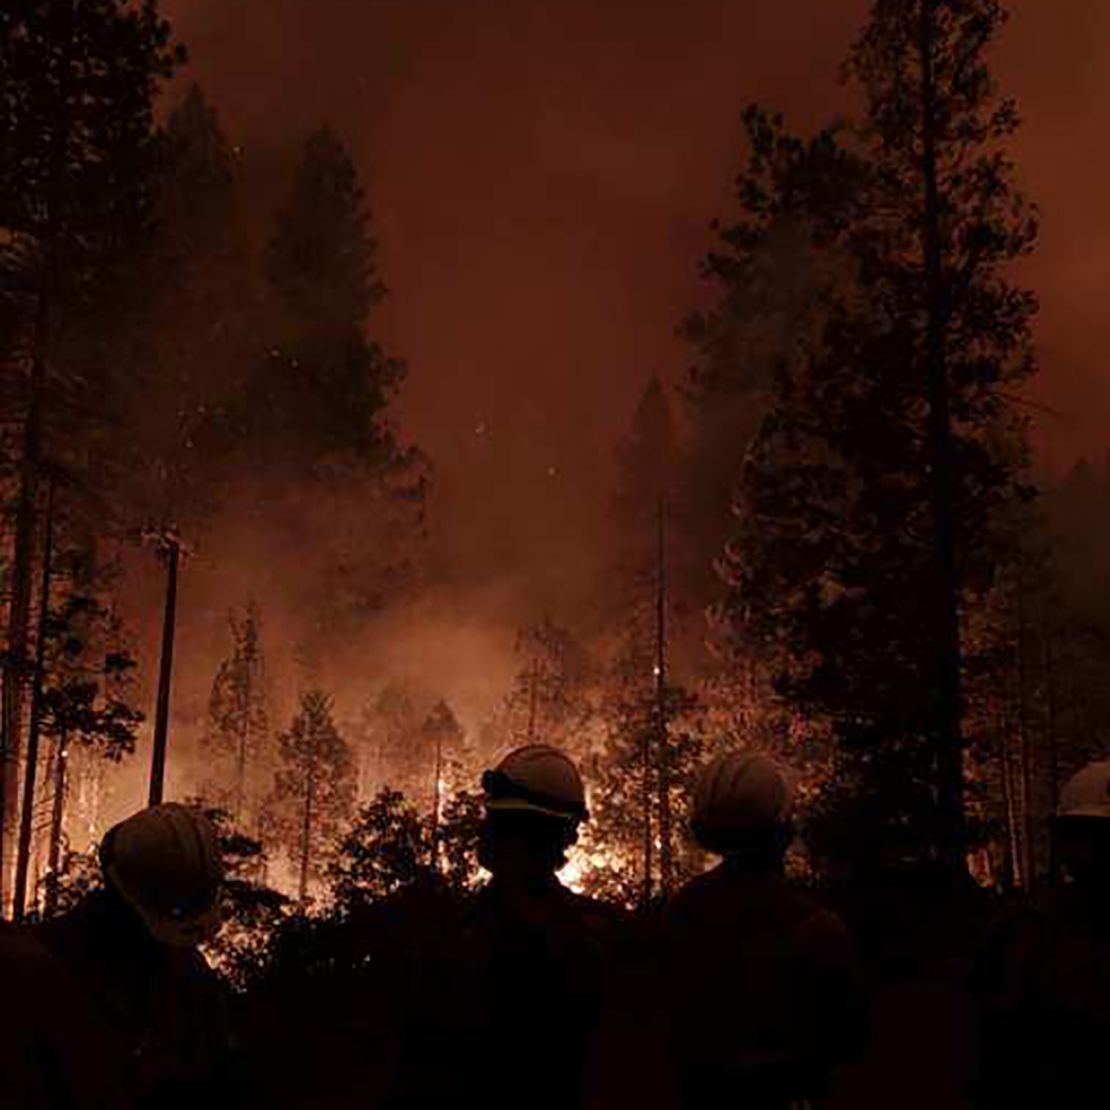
point(322, 388)
point(253, 911)
point(76, 154)
point(310, 429)
point(549, 702)
point(314, 790)
point(396, 727)
point(238, 724)
point(442, 737)
point(1038, 698)
point(392, 844)
point(648, 462)
point(185, 334)
point(873, 502)
point(647, 755)
point(87, 707)
point(641, 775)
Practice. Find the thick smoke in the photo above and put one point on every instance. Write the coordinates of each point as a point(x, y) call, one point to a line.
point(541, 177)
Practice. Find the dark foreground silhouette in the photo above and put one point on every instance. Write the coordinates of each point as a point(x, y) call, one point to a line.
point(740, 990)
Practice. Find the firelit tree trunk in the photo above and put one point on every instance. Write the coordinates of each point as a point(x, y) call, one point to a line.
point(79, 80)
point(1012, 865)
point(306, 830)
point(648, 825)
point(666, 861)
point(23, 555)
point(1052, 742)
point(436, 799)
point(57, 818)
point(243, 740)
point(26, 830)
point(1025, 741)
point(19, 614)
point(23, 568)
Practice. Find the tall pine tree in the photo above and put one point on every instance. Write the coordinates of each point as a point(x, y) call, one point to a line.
point(873, 501)
point(651, 741)
point(314, 790)
point(236, 741)
point(549, 702)
point(323, 386)
point(311, 427)
point(77, 148)
point(186, 330)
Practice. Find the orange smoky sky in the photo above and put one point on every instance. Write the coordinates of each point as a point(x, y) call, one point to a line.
point(543, 173)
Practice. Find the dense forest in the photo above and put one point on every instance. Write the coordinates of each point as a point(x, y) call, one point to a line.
point(828, 538)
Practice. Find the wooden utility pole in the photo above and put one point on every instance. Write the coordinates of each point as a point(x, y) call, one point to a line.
point(170, 549)
point(30, 771)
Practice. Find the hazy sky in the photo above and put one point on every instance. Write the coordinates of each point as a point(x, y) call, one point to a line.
point(543, 173)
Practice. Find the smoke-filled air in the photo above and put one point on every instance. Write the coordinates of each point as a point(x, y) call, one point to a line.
point(389, 387)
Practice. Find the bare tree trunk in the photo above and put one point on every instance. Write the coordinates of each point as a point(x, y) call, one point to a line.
point(57, 815)
point(244, 734)
point(30, 772)
point(262, 867)
point(436, 799)
point(666, 862)
point(19, 609)
point(533, 692)
point(1013, 847)
point(1053, 751)
point(306, 830)
point(1029, 861)
point(942, 479)
point(648, 797)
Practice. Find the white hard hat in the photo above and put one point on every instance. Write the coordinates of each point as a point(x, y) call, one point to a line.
point(536, 778)
point(736, 794)
point(165, 863)
point(1087, 792)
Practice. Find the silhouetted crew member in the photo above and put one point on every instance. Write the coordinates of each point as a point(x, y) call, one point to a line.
point(111, 1006)
point(762, 981)
point(514, 1016)
point(1044, 981)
